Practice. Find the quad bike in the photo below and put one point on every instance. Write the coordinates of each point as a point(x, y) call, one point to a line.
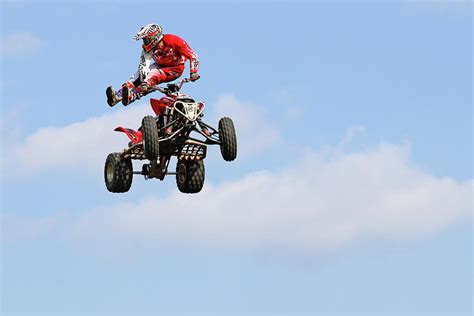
point(167, 135)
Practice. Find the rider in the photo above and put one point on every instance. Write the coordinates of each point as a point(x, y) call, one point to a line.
point(162, 60)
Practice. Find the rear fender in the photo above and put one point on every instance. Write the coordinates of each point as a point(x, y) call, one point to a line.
point(135, 136)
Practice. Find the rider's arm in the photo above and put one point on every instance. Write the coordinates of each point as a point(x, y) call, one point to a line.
point(182, 47)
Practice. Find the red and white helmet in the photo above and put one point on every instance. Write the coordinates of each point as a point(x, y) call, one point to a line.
point(151, 34)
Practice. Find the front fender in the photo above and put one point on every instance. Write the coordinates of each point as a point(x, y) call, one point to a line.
point(135, 136)
point(159, 106)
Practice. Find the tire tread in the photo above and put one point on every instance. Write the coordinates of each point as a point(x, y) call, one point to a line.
point(150, 138)
point(195, 175)
point(228, 139)
point(123, 173)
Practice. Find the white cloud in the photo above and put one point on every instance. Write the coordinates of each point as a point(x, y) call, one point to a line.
point(85, 145)
point(79, 146)
point(20, 43)
point(254, 130)
point(328, 200)
point(324, 203)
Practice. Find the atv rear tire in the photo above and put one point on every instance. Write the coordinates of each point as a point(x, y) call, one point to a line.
point(190, 175)
point(151, 146)
point(228, 139)
point(118, 173)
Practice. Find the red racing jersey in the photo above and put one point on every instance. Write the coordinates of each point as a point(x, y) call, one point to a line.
point(171, 51)
point(174, 51)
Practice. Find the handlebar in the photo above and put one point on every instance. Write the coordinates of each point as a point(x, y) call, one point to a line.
point(167, 90)
point(183, 81)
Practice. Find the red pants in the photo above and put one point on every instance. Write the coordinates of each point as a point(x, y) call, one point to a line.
point(164, 74)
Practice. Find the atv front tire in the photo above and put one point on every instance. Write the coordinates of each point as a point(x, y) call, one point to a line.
point(190, 175)
point(228, 139)
point(151, 146)
point(118, 173)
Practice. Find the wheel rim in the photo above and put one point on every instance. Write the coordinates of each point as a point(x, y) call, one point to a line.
point(110, 172)
point(181, 173)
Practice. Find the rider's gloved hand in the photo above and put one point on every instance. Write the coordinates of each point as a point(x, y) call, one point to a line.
point(194, 76)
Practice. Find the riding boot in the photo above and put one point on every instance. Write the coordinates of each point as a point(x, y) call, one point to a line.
point(129, 95)
point(113, 97)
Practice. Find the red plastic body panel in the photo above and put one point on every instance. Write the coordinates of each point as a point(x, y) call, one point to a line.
point(160, 105)
point(135, 136)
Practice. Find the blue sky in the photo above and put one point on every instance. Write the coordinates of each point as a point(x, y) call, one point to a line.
point(351, 194)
